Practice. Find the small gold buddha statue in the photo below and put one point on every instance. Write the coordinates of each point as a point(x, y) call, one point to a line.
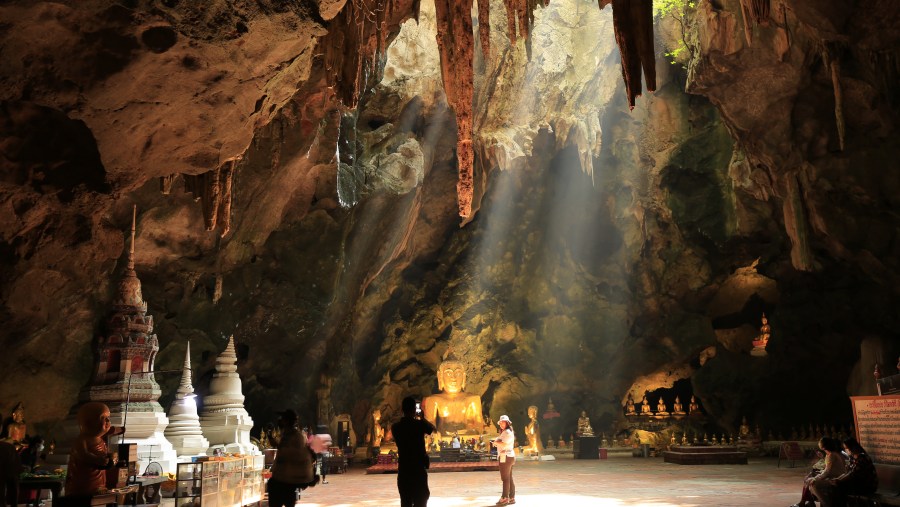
point(629, 406)
point(744, 431)
point(694, 407)
point(584, 426)
point(452, 410)
point(645, 406)
point(684, 439)
point(677, 409)
point(661, 407)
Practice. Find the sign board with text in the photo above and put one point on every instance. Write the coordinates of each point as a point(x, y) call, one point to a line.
point(877, 421)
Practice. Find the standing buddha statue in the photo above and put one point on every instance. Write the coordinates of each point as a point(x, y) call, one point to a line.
point(533, 433)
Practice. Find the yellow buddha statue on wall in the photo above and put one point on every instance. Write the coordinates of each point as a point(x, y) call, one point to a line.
point(452, 410)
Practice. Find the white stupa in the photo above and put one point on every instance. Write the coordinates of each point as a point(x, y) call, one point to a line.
point(223, 419)
point(184, 430)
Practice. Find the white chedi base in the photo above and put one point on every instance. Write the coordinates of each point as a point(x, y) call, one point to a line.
point(146, 430)
point(184, 429)
point(228, 431)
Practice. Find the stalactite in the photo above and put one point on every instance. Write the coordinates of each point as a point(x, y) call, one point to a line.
point(633, 24)
point(217, 289)
point(226, 179)
point(214, 190)
point(356, 38)
point(833, 64)
point(165, 183)
point(521, 12)
point(484, 27)
point(455, 43)
point(756, 11)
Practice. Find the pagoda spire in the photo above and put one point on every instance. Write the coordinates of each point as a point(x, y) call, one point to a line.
point(131, 252)
point(130, 286)
point(186, 386)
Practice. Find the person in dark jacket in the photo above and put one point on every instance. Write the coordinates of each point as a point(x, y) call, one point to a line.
point(409, 434)
point(294, 458)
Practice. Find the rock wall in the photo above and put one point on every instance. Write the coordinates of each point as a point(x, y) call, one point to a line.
point(609, 250)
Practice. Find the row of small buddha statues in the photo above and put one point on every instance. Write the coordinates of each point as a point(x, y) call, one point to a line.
point(631, 409)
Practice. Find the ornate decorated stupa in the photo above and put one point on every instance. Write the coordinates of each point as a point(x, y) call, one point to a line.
point(184, 424)
point(224, 420)
point(123, 373)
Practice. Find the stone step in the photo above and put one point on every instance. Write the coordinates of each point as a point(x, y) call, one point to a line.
point(702, 449)
point(709, 458)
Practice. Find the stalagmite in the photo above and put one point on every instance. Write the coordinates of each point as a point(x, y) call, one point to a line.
point(834, 66)
point(633, 23)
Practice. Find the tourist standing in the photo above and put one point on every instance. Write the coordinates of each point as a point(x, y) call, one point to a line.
point(506, 455)
point(293, 466)
point(409, 434)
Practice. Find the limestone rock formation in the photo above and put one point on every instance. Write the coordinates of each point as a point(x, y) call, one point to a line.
point(607, 248)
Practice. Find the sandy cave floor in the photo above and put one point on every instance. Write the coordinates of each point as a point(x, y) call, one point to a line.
point(616, 482)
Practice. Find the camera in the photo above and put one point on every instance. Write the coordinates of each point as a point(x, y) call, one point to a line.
point(418, 409)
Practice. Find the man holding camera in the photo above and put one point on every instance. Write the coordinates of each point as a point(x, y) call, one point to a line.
point(409, 434)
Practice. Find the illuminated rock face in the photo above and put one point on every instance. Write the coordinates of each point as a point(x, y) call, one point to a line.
point(562, 284)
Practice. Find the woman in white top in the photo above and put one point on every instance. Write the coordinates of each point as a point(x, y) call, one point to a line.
point(506, 454)
point(818, 485)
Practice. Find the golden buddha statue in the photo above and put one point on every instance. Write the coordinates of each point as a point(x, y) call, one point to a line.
point(645, 406)
point(744, 431)
point(377, 429)
point(677, 409)
point(533, 433)
point(452, 410)
point(694, 406)
point(584, 426)
point(15, 427)
point(629, 406)
point(661, 408)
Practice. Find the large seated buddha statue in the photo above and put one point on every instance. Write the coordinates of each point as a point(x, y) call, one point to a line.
point(452, 410)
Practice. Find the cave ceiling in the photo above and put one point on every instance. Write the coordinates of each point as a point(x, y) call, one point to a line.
point(359, 189)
